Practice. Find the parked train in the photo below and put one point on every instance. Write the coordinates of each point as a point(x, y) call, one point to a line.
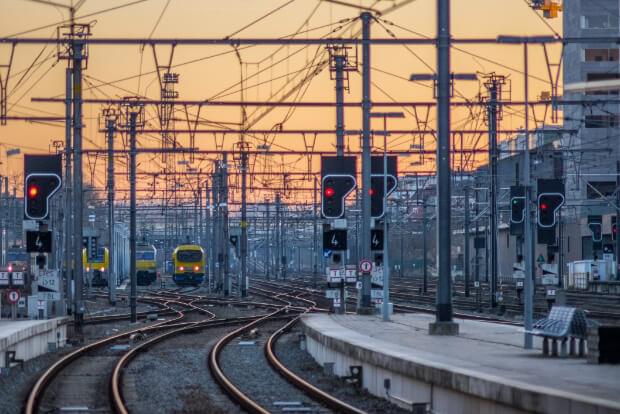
point(146, 264)
point(189, 263)
point(97, 268)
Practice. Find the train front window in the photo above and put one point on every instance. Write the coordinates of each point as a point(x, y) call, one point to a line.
point(189, 256)
point(145, 256)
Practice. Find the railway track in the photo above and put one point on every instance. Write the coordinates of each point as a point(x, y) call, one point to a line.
point(244, 394)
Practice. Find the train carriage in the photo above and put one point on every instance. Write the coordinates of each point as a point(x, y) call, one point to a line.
point(146, 264)
point(189, 263)
point(98, 266)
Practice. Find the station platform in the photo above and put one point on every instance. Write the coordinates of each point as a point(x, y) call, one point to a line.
point(483, 370)
point(30, 338)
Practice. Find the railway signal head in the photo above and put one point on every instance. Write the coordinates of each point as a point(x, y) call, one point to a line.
point(39, 188)
point(614, 231)
point(335, 189)
point(517, 209)
point(548, 206)
point(376, 192)
point(597, 231)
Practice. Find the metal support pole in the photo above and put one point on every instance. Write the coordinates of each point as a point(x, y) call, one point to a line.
point(340, 62)
point(443, 324)
point(110, 125)
point(385, 308)
point(215, 233)
point(132, 214)
point(278, 238)
point(208, 239)
point(69, 265)
point(244, 225)
point(77, 184)
point(365, 305)
point(424, 248)
point(492, 116)
point(315, 230)
point(528, 307)
point(267, 242)
point(466, 242)
point(225, 241)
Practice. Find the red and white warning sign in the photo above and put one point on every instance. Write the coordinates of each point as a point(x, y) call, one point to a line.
point(365, 266)
point(13, 296)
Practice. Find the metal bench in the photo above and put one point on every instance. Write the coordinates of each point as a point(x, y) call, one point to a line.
point(566, 325)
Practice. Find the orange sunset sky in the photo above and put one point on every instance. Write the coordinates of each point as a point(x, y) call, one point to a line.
point(208, 72)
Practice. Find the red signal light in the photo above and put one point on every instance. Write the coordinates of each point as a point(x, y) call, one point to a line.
point(544, 206)
point(329, 192)
point(371, 192)
point(33, 191)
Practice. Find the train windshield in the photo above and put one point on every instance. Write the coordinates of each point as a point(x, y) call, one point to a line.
point(145, 256)
point(189, 256)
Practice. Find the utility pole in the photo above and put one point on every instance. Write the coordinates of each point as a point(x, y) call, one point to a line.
point(208, 239)
point(77, 49)
point(110, 117)
point(216, 233)
point(493, 85)
point(466, 241)
point(134, 111)
point(244, 221)
point(424, 248)
point(365, 305)
point(69, 264)
point(225, 241)
point(443, 324)
point(267, 246)
point(278, 238)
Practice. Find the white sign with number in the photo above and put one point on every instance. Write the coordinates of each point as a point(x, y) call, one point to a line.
point(18, 279)
point(49, 281)
point(334, 276)
point(4, 278)
point(350, 276)
point(377, 276)
point(48, 296)
point(376, 294)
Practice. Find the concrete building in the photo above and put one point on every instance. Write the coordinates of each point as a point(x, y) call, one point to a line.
point(591, 166)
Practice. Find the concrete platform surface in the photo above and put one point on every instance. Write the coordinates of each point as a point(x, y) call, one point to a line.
point(486, 360)
point(30, 338)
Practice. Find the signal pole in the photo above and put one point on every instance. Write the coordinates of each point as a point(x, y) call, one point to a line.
point(528, 307)
point(365, 305)
point(315, 216)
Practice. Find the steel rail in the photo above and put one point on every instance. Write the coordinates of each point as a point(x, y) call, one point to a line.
point(314, 392)
point(244, 401)
point(39, 387)
point(118, 401)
